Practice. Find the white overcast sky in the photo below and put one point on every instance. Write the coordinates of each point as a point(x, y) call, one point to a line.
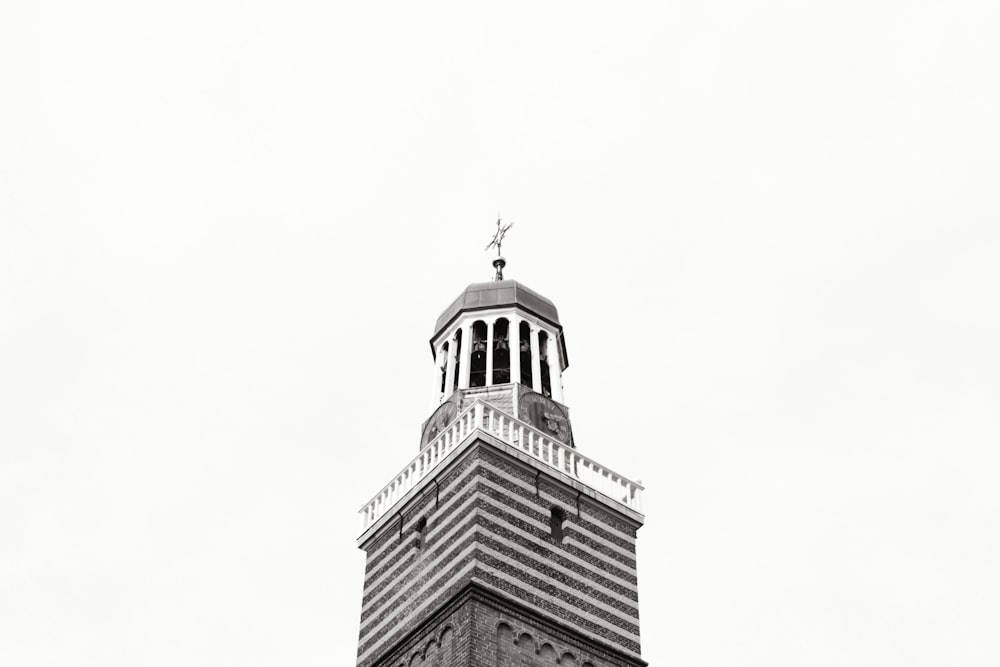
point(771, 230)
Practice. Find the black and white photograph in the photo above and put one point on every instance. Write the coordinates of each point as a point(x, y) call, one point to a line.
point(499, 335)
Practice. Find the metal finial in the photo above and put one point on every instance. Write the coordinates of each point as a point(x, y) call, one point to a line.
point(497, 241)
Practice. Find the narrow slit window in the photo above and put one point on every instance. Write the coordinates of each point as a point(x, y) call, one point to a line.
point(556, 519)
point(420, 528)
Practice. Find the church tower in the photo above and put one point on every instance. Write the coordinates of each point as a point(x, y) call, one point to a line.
point(500, 544)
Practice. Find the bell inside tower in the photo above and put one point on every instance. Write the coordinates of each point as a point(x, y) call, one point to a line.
point(525, 331)
point(477, 366)
point(543, 347)
point(501, 351)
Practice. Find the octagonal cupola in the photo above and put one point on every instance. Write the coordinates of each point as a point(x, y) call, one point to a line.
point(501, 342)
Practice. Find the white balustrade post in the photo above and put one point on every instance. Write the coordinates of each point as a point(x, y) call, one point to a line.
point(489, 353)
point(536, 366)
point(479, 415)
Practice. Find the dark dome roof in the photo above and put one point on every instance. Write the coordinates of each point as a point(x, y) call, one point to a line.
point(495, 294)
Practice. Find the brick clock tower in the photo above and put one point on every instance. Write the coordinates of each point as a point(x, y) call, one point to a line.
point(500, 545)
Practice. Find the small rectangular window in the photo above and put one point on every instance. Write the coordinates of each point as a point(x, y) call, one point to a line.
point(556, 519)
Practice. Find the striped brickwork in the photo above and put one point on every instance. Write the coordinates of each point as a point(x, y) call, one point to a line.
point(409, 574)
point(488, 527)
point(588, 579)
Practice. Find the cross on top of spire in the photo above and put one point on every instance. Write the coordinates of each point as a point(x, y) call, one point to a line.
point(497, 241)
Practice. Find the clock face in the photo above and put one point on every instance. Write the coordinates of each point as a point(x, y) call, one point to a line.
point(442, 417)
point(546, 415)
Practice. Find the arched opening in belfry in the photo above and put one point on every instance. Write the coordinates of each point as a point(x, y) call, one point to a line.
point(443, 361)
point(543, 366)
point(458, 359)
point(477, 363)
point(501, 351)
point(525, 354)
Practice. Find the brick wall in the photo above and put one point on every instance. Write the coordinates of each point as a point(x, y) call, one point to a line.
point(409, 573)
point(587, 578)
point(443, 640)
point(486, 525)
point(517, 640)
point(476, 628)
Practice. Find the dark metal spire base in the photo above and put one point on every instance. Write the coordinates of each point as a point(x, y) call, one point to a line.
point(499, 263)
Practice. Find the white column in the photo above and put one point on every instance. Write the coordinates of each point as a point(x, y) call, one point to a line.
point(555, 369)
point(438, 359)
point(536, 366)
point(463, 378)
point(514, 340)
point(489, 353)
point(449, 378)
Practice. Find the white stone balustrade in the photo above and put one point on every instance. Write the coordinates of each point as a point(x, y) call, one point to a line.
point(515, 433)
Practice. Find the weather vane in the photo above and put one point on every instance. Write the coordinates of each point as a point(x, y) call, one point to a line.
point(497, 241)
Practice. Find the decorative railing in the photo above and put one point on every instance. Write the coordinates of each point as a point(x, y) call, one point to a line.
point(515, 433)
